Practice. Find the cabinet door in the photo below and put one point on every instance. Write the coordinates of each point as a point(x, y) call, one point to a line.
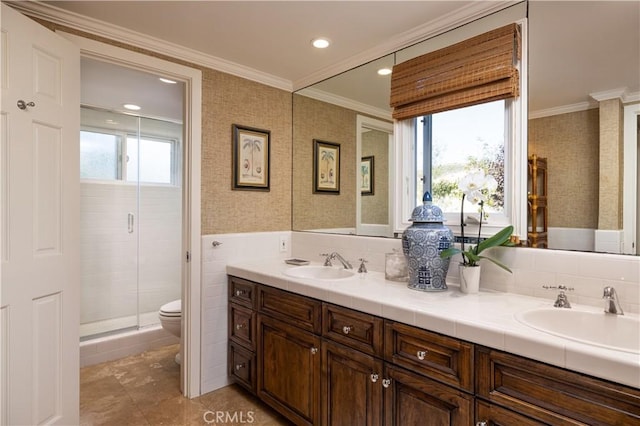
point(411, 399)
point(492, 415)
point(289, 370)
point(351, 387)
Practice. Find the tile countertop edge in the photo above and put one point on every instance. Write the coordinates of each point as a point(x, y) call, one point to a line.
point(486, 318)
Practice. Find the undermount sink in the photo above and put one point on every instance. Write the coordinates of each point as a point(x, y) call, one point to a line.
point(315, 272)
point(616, 332)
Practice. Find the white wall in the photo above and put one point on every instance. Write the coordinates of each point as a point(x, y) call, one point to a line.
point(109, 252)
point(233, 248)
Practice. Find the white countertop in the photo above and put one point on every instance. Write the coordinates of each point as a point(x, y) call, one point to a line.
point(486, 318)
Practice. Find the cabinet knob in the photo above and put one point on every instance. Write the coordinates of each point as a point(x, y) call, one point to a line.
point(386, 383)
point(240, 293)
point(421, 355)
point(482, 423)
point(241, 326)
point(374, 377)
point(347, 329)
point(314, 351)
point(239, 366)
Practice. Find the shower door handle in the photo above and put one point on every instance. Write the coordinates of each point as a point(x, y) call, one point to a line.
point(130, 223)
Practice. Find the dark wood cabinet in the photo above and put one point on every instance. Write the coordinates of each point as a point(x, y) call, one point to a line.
point(351, 386)
point(553, 395)
point(289, 370)
point(412, 399)
point(319, 363)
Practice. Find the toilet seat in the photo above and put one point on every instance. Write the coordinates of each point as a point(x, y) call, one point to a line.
point(171, 309)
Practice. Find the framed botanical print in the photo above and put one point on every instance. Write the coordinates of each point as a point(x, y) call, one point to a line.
point(366, 175)
point(251, 158)
point(326, 167)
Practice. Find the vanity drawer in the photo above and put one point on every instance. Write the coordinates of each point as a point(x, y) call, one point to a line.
point(357, 330)
point(242, 292)
point(551, 394)
point(242, 326)
point(442, 358)
point(300, 311)
point(242, 364)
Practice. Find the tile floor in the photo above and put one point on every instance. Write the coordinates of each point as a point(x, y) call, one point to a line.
point(144, 390)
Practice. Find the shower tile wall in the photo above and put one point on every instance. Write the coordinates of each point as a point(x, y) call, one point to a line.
point(109, 252)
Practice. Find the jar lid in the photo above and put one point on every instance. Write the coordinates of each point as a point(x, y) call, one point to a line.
point(427, 212)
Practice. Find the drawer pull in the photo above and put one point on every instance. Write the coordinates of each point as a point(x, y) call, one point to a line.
point(240, 293)
point(374, 377)
point(386, 383)
point(241, 326)
point(347, 329)
point(314, 351)
point(421, 355)
point(239, 366)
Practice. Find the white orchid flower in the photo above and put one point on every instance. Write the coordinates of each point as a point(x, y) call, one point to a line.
point(474, 197)
point(472, 182)
point(490, 183)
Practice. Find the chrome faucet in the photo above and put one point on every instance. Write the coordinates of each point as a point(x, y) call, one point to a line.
point(612, 305)
point(336, 255)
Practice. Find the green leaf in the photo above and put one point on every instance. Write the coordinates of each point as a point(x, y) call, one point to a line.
point(497, 239)
point(496, 262)
point(450, 252)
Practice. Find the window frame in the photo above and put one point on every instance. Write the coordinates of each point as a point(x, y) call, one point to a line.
point(515, 197)
point(122, 141)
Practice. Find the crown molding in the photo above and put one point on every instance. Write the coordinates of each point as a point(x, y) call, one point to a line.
point(323, 96)
point(605, 95)
point(464, 15)
point(99, 28)
point(564, 109)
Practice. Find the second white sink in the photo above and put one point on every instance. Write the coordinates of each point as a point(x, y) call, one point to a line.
point(327, 273)
point(616, 332)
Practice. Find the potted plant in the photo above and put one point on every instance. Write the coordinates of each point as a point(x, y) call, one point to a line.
point(475, 188)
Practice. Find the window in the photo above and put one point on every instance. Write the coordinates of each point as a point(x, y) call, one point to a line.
point(451, 144)
point(118, 156)
point(99, 153)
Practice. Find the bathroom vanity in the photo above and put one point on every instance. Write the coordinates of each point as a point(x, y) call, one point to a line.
point(362, 352)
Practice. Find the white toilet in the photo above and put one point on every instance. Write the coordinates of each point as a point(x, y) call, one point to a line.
point(170, 315)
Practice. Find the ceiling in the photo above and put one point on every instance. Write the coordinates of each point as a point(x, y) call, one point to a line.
point(271, 39)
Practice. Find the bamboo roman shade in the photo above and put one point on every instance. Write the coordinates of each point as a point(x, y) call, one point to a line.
point(480, 69)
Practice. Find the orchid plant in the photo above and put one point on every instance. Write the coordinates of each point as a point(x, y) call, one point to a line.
point(476, 187)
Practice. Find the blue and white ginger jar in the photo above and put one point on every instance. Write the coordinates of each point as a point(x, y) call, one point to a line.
point(422, 244)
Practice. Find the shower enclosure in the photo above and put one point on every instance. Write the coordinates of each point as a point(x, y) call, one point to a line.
point(131, 219)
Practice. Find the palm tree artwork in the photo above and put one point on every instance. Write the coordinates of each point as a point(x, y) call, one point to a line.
point(328, 158)
point(250, 167)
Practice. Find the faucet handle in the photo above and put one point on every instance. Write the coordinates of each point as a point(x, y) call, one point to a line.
point(362, 269)
point(327, 260)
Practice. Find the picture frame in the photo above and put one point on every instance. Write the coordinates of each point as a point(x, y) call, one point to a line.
point(326, 167)
point(367, 170)
point(251, 158)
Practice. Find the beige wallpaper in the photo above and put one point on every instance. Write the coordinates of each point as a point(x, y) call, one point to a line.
point(318, 120)
point(375, 208)
point(231, 100)
point(570, 144)
point(611, 164)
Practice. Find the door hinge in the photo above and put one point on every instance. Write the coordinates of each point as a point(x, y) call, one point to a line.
point(188, 257)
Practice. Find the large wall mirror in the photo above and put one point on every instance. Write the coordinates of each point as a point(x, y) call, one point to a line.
point(581, 56)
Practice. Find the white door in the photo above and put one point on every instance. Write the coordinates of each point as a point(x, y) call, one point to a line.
point(40, 213)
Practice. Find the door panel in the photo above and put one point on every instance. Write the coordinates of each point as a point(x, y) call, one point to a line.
point(40, 193)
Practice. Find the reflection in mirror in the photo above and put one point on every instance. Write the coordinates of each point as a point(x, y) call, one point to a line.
point(583, 75)
point(373, 201)
point(575, 49)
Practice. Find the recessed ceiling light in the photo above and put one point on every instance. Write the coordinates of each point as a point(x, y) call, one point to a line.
point(131, 107)
point(320, 42)
point(166, 80)
point(384, 71)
